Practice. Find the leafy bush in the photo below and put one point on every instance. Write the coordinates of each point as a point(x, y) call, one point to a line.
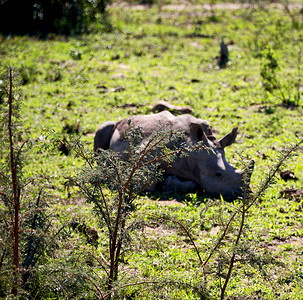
point(24, 223)
point(112, 184)
point(285, 88)
point(269, 70)
point(56, 16)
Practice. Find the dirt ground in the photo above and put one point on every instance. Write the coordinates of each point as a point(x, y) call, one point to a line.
point(186, 5)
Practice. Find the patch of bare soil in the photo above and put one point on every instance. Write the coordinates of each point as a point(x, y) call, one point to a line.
point(158, 231)
point(167, 202)
point(245, 298)
point(230, 6)
point(77, 201)
point(277, 244)
point(292, 194)
point(220, 6)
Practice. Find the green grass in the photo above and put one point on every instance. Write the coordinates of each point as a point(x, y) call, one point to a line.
point(151, 55)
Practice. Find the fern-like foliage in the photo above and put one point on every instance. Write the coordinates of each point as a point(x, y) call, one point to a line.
point(112, 181)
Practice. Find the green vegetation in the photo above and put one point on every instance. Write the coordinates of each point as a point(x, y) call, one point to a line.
point(55, 16)
point(70, 85)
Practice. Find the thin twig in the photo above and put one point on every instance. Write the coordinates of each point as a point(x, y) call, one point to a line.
point(159, 283)
point(190, 237)
point(2, 258)
point(172, 153)
point(232, 260)
point(16, 189)
point(96, 287)
point(82, 154)
point(273, 173)
point(221, 238)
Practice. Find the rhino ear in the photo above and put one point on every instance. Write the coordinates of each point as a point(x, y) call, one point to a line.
point(229, 138)
point(103, 135)
point(197, 133)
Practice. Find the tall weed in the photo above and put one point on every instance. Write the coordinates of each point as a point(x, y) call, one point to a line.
point(25, 224)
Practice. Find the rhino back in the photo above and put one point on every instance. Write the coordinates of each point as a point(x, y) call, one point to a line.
point(148, 123)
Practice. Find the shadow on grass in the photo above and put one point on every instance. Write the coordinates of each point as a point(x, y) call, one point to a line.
point(186, 198)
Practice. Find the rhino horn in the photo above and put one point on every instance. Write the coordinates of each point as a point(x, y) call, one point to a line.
point(229, 138)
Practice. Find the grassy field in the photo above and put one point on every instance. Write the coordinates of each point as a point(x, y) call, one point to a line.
point(70, 85)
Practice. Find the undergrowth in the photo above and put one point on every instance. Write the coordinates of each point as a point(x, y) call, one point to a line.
point(72, 84)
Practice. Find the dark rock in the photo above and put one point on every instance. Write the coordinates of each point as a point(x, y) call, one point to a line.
point(288, 175)
point(292, 194)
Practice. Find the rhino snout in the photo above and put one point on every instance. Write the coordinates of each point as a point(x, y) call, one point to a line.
point(228, 183)
point(242, 187)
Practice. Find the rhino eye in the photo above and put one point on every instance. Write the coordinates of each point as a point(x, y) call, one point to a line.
point(218, 174)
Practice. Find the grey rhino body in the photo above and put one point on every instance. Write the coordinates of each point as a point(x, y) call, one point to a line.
point(208, 170)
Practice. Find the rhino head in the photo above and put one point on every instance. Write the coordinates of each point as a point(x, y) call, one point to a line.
point(209, 169)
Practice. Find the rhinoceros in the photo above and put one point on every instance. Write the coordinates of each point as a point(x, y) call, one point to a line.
point(204, 169)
